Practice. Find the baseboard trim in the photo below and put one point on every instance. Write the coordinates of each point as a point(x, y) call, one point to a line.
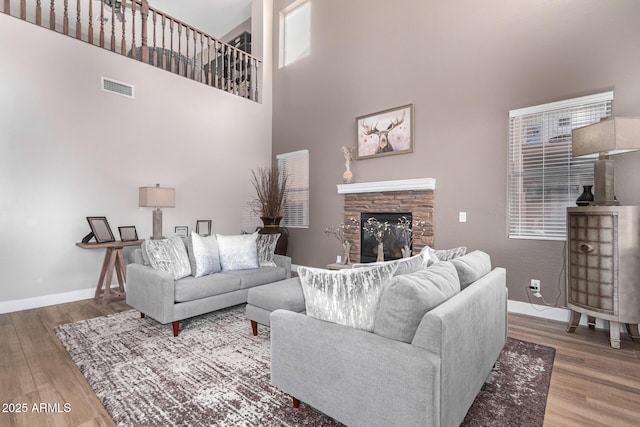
point(550, 313)
point(536, 310)
point(46, 300)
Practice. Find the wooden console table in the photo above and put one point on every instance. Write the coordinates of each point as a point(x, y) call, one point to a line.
point(113, 261)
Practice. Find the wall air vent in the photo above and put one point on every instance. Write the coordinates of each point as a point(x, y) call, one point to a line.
point(119, 88)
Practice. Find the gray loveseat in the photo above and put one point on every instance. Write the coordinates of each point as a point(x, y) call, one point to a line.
point(156, 294)
point(364, 379)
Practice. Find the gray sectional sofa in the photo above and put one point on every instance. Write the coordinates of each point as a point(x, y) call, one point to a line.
point(156, 294)
point(364, 379)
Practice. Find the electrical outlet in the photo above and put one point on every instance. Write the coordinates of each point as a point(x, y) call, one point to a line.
point(535, 285)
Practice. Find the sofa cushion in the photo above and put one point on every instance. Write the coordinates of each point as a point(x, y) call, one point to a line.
point(471, 267)
point(266, 249)
point(349, 297)
point(203, 255)
point(168, 255)
point(285, 294)
point(407, 298)
point(404, 265)
point(238, 252)
point(258, 276)
point(191, 288)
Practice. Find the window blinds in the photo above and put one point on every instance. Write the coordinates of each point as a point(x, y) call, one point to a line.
point(544, 179)
point(295, 166)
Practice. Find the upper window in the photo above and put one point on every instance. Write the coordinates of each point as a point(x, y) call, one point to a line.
point(295, 166)
point(295, 32)
point(544, 179)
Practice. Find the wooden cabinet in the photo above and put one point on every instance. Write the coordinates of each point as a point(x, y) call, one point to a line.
point(603, 259)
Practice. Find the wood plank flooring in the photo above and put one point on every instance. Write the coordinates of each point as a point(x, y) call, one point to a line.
point(591, 385)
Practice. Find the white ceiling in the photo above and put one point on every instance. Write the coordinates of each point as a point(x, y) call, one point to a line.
point(214, 17)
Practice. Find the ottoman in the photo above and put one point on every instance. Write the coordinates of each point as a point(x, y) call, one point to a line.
point(262, 300)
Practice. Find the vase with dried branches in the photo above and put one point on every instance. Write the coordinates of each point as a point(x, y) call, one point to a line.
point(408, 232)
point(378, 230)
point(271, 189)
point(339, 232)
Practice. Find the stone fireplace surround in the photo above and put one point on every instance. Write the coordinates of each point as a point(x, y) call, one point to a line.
point(408, 195)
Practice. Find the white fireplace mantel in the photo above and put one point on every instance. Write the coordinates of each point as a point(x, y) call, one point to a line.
point(380, 186)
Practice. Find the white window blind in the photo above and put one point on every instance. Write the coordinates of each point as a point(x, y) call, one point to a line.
point(295, 166)
point(544, 179)
point(295, 32)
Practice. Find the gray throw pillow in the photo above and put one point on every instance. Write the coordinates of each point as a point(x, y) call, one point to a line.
point(471, 267)
point(204, 256)
point(407, 298)
point(404, 265)
point(168, 255)
point(267, 248)
point(449, 254)
point(238, 252)
point(348, 297)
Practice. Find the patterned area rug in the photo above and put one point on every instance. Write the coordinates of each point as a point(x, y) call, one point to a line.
point(216, 373)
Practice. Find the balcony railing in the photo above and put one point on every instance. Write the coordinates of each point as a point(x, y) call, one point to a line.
point(136, 30)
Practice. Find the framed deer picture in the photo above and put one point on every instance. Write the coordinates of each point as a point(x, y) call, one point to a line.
point(385, 133)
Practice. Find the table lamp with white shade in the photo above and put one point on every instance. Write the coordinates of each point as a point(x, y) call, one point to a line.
point(604, 139)
point(157, 197)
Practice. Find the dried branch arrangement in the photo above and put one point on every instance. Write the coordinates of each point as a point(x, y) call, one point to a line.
point(271, 187)
point(338, 231)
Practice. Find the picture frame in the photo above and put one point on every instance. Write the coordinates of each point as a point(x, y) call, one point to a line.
point(100, 229)
point(203, 227)
point(385, 133)
point(182, 230)
point(128, 233)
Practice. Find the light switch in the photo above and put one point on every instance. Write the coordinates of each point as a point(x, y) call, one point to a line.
point(462, 216)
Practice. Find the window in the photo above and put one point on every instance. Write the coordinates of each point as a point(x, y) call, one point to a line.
point(544, 179)
point(295, 32)
point(295, 166)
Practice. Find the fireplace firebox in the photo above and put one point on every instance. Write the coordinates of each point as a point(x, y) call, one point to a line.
point(393, 240)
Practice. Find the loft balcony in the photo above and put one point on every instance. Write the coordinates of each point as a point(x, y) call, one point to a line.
point(134, 29)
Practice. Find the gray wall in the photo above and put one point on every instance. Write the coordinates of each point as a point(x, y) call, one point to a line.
point(69, 150)
point(463, 64)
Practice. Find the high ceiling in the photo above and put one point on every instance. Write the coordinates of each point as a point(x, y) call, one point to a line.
point(214, 17)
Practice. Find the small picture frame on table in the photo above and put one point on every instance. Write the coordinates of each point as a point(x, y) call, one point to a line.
point(128, 233)
point(100, 229)
point(203, 227)
point(182, 231)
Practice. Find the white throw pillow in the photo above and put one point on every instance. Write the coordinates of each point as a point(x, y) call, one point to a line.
point(203, 255)
point(238, 252)
point(168, 255)
point(348, 297)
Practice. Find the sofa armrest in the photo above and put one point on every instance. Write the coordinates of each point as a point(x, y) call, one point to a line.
point(284, 262)
point(150, 291)
point(356, 377)
point(468, 332)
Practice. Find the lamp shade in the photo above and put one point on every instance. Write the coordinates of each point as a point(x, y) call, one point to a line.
point(157, 197)
point(612, 136)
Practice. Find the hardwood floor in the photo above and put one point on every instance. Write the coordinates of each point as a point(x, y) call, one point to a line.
point(591, 385)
